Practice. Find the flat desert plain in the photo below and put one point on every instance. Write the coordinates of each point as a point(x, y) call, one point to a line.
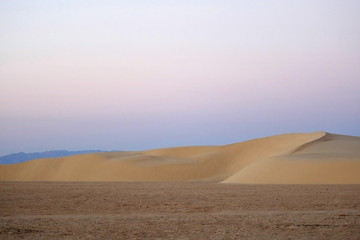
point(182, 210)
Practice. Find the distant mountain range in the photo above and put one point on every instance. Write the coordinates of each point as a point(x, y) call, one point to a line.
point(22, 157)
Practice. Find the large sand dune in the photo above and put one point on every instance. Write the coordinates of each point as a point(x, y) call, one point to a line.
point(298, 158)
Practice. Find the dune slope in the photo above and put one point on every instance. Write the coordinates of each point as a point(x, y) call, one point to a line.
point(331, 159)
point(317, 157)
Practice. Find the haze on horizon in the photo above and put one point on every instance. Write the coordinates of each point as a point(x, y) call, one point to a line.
point(136, 75)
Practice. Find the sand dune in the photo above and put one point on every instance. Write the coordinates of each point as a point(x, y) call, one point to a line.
point(317, 157)
point(329, 159)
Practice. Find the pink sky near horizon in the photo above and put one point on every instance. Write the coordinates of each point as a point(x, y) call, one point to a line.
point(134, 75)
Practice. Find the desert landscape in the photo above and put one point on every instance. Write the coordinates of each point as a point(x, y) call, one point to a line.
point(299, 158)
point(291, 186)
point(179, 119)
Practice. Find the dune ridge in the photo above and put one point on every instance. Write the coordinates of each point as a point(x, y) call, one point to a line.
point(297, 158)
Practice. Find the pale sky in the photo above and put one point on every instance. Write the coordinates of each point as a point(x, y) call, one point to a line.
point(134, 75)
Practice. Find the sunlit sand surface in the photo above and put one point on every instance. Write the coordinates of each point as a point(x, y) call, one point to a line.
point(300, 158)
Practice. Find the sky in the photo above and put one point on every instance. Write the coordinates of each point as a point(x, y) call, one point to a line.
point(135, 75)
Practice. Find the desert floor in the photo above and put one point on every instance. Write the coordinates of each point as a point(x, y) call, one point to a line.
point(115, 210)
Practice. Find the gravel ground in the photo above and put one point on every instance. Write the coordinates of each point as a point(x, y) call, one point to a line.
point(115, 210)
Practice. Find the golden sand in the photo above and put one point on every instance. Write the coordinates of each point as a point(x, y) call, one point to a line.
point(299, 158)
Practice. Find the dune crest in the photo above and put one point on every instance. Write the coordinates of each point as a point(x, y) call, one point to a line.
point(331, 159)
point(296, 158)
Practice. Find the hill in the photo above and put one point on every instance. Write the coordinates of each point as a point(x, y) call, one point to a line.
point(22, 157)
point(298, 158)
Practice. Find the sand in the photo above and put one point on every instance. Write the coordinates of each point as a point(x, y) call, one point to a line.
point(118, 210)
point(299, 158)
point(174, 193)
